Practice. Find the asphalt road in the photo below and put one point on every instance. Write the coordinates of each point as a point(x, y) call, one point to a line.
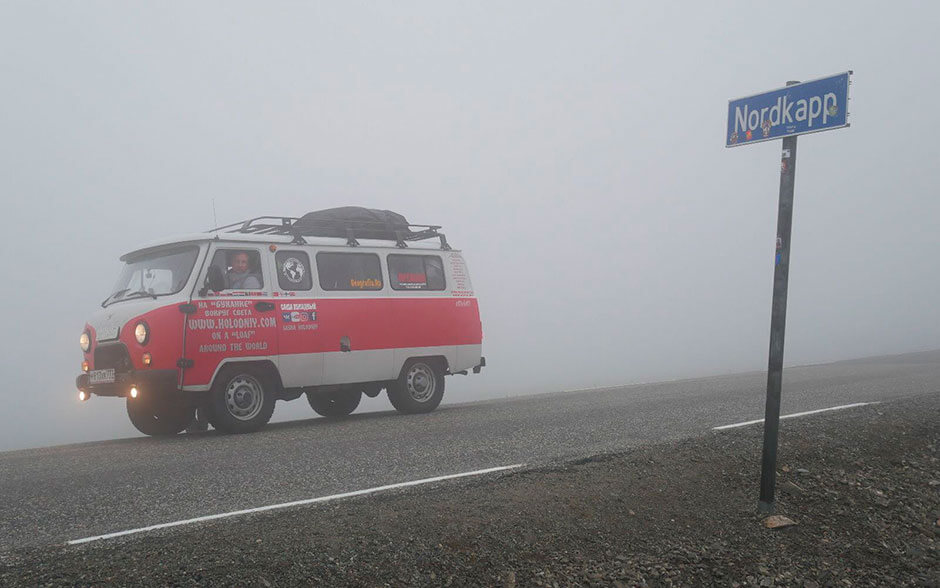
point(56, 494)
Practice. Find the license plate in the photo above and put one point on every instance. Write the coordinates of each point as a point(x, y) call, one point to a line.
point(101, 376)
point(107, 333)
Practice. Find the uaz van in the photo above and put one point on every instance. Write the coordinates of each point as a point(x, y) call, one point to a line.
point(332, 305)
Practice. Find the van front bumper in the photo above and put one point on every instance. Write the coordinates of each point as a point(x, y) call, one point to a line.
point(156, 382)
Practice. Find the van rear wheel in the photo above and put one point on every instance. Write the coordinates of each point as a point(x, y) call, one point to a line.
point(156, 418)
point(241, 399)
point(419, 388)
point(335, 404)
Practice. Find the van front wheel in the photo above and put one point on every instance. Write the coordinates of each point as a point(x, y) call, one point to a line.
point(241, 400)
point(158, 419)
point(419, 388)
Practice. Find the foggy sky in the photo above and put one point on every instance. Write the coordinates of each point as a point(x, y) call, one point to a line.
point(573, 151)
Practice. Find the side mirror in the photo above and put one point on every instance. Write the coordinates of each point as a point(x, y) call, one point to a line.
point(215, 279)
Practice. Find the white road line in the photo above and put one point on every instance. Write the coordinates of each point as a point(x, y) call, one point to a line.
point(794, 415)
point(294, 503)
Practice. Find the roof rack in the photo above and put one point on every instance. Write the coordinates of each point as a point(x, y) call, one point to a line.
point(266, 225)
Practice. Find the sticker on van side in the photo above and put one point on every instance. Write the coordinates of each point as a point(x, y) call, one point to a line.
point(458, 269)
point(300, 316)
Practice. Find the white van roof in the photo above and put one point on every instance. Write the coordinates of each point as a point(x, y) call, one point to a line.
point(262, 230)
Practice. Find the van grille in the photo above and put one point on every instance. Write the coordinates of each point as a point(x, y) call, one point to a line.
point(112, 355)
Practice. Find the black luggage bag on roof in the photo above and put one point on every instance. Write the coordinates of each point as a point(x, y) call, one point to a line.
point(365, 223)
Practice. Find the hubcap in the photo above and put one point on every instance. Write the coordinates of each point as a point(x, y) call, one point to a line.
point(421, 382)
point(244, 397)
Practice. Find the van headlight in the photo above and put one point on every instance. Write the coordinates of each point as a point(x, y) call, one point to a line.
point(85, 341)
point(142, 333)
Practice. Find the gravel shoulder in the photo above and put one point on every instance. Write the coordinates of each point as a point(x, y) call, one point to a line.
point(862, 485)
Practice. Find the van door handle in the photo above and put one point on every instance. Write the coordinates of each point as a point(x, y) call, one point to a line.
point(264, 306)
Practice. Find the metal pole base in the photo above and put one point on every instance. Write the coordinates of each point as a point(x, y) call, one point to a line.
point(765, 507)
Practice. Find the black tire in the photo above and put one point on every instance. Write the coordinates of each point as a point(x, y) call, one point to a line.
point(419, 388)
point(335, 404)
point(241, 399)
point(158, 419)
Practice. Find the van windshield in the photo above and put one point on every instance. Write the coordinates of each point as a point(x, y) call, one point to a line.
point(157, 274)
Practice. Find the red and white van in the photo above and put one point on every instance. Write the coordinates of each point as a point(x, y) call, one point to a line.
point(333, 305)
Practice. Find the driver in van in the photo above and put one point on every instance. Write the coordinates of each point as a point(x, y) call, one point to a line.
point(240, 276)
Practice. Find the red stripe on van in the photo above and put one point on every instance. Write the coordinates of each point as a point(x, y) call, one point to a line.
point(306, 325)
point(386, 323)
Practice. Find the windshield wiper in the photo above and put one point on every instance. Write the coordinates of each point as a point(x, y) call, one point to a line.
point(118, 293)
point(140, 294)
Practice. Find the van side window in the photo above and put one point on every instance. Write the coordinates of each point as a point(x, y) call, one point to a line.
point(416, 272)
point(293, 270)
point(242, 268)
point(349, 271)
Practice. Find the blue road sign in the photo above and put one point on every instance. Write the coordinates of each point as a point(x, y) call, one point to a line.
point(810, 107)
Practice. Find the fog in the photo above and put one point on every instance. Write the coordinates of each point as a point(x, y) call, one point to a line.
point(573, 151)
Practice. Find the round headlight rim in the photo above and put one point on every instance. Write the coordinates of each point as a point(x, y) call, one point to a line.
point(146, 338)
point(84, 341)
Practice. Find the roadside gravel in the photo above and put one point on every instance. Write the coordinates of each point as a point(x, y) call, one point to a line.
point(862, 486)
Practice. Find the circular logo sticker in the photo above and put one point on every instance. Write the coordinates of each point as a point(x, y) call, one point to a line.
point(293, 270)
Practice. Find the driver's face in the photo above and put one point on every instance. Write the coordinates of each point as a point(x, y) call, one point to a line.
point(240, 263)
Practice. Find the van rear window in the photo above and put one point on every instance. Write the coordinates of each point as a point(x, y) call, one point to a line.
point(349, 271)
point(416, 272)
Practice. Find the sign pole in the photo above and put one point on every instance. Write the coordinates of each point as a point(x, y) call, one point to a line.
point(778, 323)
point(783, 113)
